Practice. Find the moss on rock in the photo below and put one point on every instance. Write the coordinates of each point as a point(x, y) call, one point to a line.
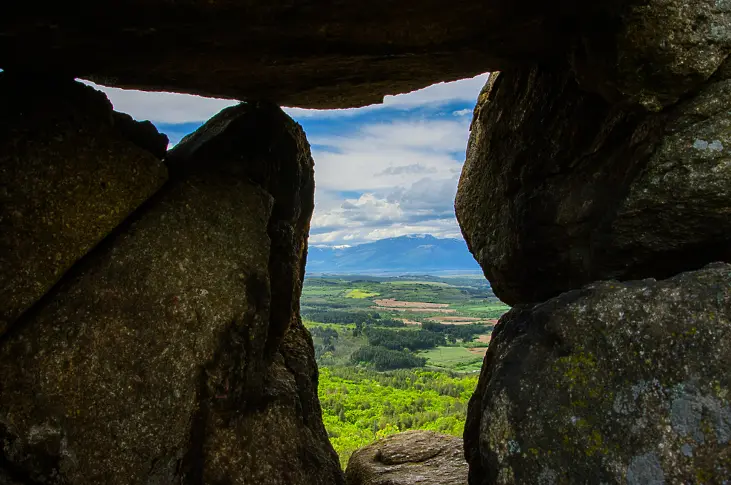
point(612, 383)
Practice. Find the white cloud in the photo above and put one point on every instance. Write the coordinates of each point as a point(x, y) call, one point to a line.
point(462, 112)
point(433, 135)
point(163, 107)
point(361, 234)
point(383, 156)
point(462, 90)
point(405, 173)
point(425, 207)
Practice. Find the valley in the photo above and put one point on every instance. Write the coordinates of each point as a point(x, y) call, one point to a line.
point(397, 353)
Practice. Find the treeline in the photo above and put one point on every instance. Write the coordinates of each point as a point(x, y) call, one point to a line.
point(382, 358)
point(445, 383)
point(357, 318)
point(404, 339)
point(329, 337)
point(466, 333)
point(393, 349)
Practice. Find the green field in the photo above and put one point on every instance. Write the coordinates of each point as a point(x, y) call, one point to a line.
point(452, 358)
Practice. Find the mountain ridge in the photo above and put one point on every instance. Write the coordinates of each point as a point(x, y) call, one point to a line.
point(402, 254)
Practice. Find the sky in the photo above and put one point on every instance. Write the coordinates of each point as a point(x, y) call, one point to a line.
point(381, 171)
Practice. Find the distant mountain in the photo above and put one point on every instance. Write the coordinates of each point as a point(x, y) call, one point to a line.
point(405, 254)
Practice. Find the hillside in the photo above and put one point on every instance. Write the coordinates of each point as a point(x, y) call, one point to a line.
point(405, 254)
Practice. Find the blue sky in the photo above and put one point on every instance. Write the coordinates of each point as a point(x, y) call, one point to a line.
point(381, 171)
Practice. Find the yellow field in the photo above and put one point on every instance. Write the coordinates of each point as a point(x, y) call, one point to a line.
point(360, 294)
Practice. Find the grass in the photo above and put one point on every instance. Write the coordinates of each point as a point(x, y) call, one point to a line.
point(484, 310)
point(453, 358)
point(360, 294)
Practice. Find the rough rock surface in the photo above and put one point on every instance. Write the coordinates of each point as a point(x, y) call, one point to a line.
point(410, 458)
point(174, 353)
point(68, 176)
point(548, 203)
point(615, 383)
point(656, 52)
point(310, 53)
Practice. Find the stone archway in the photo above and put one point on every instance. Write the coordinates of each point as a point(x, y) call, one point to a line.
point(150, 315)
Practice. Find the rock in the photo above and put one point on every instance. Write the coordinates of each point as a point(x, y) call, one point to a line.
point(548, 204)
point(309, 53)
point(321, 54)
point(143, 134)
point(175, 352)
point(659, 51)
point(68, 177)
point(614, 383)
point(412, 457)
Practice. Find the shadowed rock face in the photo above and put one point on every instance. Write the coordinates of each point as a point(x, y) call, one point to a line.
point(71, 170)
point(161, 358)
point(561, 188)
point(340, 54)
point(311, 53)
point(410, 458)
point(658, 51)
point(614, 383)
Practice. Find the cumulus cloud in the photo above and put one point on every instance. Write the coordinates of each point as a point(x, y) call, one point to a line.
point(413, 169)
point(426, 207)
point(361, 234)
point(462, 112)
point(391, 178)
point(381, 157)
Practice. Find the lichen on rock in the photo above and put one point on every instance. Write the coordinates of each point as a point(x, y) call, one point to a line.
point(620, 382)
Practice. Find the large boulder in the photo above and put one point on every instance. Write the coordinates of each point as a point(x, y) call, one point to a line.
point(310, 53)
point(561, 188)
point(70, 172)
point(409, 458)
point(614, 383)
point(175, 353)
point(654, 52)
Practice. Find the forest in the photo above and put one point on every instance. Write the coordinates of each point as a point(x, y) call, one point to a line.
point(360, 406)
point(396, 353)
